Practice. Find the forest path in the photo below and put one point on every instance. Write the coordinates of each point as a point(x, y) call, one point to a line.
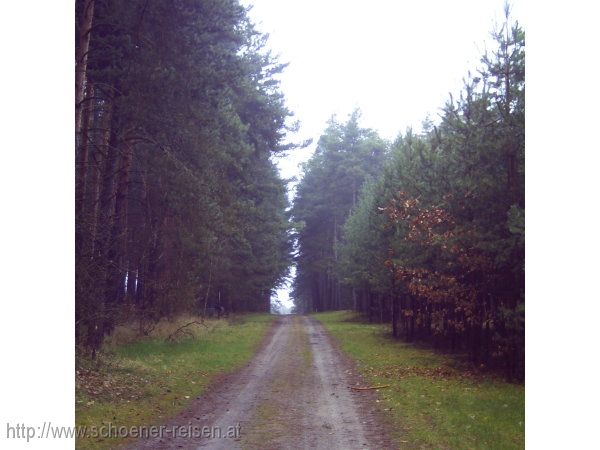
point(293, 394)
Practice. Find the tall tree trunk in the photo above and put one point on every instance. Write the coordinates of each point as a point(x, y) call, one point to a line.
point(81, 58)
point(393, 307)
point(117, 249)
point(89, 299)
point(82, 160)
point(100, 147)
point(104, 220)
point(82, 262)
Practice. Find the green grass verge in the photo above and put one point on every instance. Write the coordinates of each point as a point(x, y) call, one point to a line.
point(147, 381)
point(432, 401)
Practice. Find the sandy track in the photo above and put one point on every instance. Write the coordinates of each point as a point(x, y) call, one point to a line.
point(294, 394)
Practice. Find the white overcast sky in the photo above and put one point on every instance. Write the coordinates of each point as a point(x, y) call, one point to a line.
point(395, 60)
point(562, 173)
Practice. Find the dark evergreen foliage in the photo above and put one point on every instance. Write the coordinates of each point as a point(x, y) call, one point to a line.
point(345, 157)
point(179, 206)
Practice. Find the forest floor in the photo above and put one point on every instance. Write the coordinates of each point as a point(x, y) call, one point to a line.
point(298, 391)
point(434, 400)
point(295, 393)
point(143, 381)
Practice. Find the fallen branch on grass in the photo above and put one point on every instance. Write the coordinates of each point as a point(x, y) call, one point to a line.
point(182, 330)
point(368, 388)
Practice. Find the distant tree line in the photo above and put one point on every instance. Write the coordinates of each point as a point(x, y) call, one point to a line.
point(435, 242)
point(179, 206)
point(345, 156)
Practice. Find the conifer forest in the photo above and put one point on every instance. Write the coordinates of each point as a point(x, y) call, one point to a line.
point(259, 257)
point(180, 120)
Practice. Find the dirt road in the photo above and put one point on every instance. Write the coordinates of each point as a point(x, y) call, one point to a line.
point(294, 394)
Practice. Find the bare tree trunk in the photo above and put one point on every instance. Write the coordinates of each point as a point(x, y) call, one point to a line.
point(104, 221)
point(89, 291)
point(81, 171)
point(101, 143)
point(82, 155)
point(81, 57)
point(207, 289)
point(117, 247)
point(393, 306)
point(81, 260)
